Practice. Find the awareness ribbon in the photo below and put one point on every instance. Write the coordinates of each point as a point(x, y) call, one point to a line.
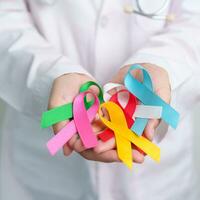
point(64, 112)
point(144, 92)
point(124, 136)
point(128, 110)
point(80, 124)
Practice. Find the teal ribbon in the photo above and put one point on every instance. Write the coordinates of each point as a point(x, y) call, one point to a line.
point(144, 92)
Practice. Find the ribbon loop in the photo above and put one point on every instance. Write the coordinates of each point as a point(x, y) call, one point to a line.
point(86, 87)
point(108, 87)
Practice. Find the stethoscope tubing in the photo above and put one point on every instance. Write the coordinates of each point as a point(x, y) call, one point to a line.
point(155, 15)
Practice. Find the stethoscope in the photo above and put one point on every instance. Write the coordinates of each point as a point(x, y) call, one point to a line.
point(156, 15)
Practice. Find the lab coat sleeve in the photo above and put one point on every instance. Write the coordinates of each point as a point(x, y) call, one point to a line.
point(28, 63)
point(177, 47)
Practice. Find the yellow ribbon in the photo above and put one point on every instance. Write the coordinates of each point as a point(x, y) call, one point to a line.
point(124, 136)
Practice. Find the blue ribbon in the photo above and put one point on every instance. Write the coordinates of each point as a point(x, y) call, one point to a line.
point(144, 92)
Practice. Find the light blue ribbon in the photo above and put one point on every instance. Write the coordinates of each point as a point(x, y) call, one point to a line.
point(144, 92)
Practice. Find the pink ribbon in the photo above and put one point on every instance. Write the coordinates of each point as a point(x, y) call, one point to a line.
point(80, 124)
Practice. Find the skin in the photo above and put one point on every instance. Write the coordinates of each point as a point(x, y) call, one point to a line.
point(64, 92)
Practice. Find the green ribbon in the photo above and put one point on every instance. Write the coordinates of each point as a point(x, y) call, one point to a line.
point(64, 112)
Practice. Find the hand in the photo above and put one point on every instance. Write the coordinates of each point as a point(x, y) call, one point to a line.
point(161, 86)
point(64, 89)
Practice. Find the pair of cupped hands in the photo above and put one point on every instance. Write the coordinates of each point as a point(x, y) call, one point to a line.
point(67, 86)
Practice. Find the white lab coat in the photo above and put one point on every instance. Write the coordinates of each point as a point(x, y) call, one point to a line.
point(43, 39)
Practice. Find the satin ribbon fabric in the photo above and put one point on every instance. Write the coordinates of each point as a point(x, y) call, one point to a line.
point(128, 110)
point(80, 124)
point(144, 92)
point(65, 112)
point(108, 87)
point(124, 136)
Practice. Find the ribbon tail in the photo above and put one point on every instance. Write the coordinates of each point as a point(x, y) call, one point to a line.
point(57, 142)
point(139, 126)
point(124, 151)
point(145, 145)
point(56, 115)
